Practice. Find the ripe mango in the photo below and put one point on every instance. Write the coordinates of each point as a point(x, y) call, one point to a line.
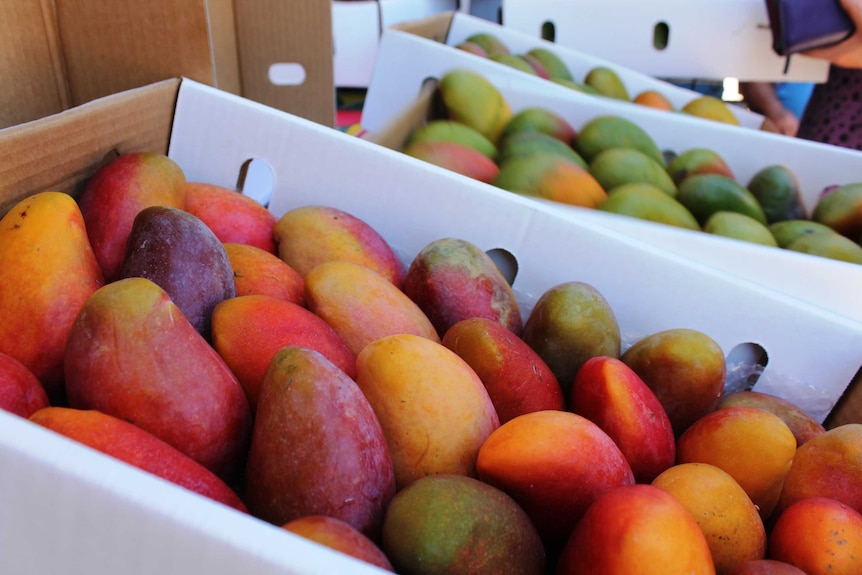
point(777, 190)
point(740, 227)
point(686, 370)
point(132, 354)
point(710, 108)
point(433, 408)
point(514, 61)
point(653, 99)
point(541, 119)
point(182, 255)
point(248, 331)
point(539, 68)
point(450, 131)
point(490, 43)
point(470, 98)
point(529, 142)
point(457, 524)
point(697, 161)
point(472, 48)
point(647, 202)
point(612, 131)
point(257, 271)
point(841, 210)
point(131, 444)
point(570, 323)
point(48, 270)
point(786, 231)
point(518, 381)
point(361, 305)
point(705, 194)
point(616, 166)
point(456, 157)
point(557, 69)
point(551, 177)
point(803, 426)
point(831, 245)
point(21, 392)
point(307, 457)
point(339, 536)
point(452, 279)
point(231, 215)
point(310, 235)
point(607, 83)
point(113, 196)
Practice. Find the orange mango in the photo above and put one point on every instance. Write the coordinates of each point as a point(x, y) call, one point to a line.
point(259, 272)
point(339, 536)
point(21, 392)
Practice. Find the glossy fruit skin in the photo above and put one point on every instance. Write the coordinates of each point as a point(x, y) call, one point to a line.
point(21, 392)
point(340, 536)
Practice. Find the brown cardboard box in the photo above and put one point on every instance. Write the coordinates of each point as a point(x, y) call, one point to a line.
point(56, 54)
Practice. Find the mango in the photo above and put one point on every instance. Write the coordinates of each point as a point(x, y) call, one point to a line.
point(710, 108)
point(130, 444)
point(117, 191)
point(21, 392)
point(231, 215)
point(452, 279)
point(433, 408)
point(612, 131)
point(841, 210)
point(740, 227)
point(705, 194)
point(766, 567)
point(636, 529)
point(777, 190)
point(802, 424)
point(538, 68)
point(457, 524)
point(697, 161)
point(570, 323)
point(259, 272)
point(361, 305)
point(617, 166)
point(554, 464)
point(306, 456)
point(472, 48)
point(753, 446)
point(653, 99)
point(339, 536)
point(830, 245)
point(647, 202)
point(549, 176)
point(310, 235)
point(490, 43)
point(733, 528)
point(450, 131)
point(517, 380)
point(786, 231)
point(828, 465)
point(248, 331)
point(607, 82)
point(48, 270)
point(820, 535)
point(686, 370)
point(181, 254)
point(541, 119)
point(457, 158)
point(556, 67)
point(607, 392)
point(131, 353)
point(470, 98)
point(526, 142)
point(576, 86)
point(514, 61)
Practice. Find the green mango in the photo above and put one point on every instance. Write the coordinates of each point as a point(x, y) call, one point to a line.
point(786, 231)
point(525, 143)
point(470, 98)
point(552, 177)
point(489, 43)
point(830, 245)
point(607, 83)
point(541, 119)
point(616, 166)
point(554, 65)
point(776, 187)
point(515, 62)
point(705, 194)
point(451, 131)
point(841, 210)
point(739, 226)
point(697, 161)
point(647, 202)
point(612, 131)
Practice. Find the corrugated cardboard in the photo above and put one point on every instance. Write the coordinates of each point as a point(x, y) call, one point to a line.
point(68, 509)
point(708, 39)
point(57, 54)
point(452, 28)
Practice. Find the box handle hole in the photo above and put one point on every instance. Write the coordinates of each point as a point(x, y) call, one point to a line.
point(549, 31)
point(506, 263)
point(661, 36)
point(745, 364)
point(256, 180)
point(287, 74)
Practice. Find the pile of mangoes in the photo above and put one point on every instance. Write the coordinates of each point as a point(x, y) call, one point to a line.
point(600, 80)
point(612, 164)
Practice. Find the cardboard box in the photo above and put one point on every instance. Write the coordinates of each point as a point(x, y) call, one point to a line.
point(667, 38)
point(393, 109)
point(55, 55)
point(71, 510)
point(357, 25)
point(452, 28)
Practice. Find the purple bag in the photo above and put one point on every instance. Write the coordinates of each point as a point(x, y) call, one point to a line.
point(800, 25)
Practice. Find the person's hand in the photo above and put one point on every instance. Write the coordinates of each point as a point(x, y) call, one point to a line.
point(847, 54)
point(784, 122)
